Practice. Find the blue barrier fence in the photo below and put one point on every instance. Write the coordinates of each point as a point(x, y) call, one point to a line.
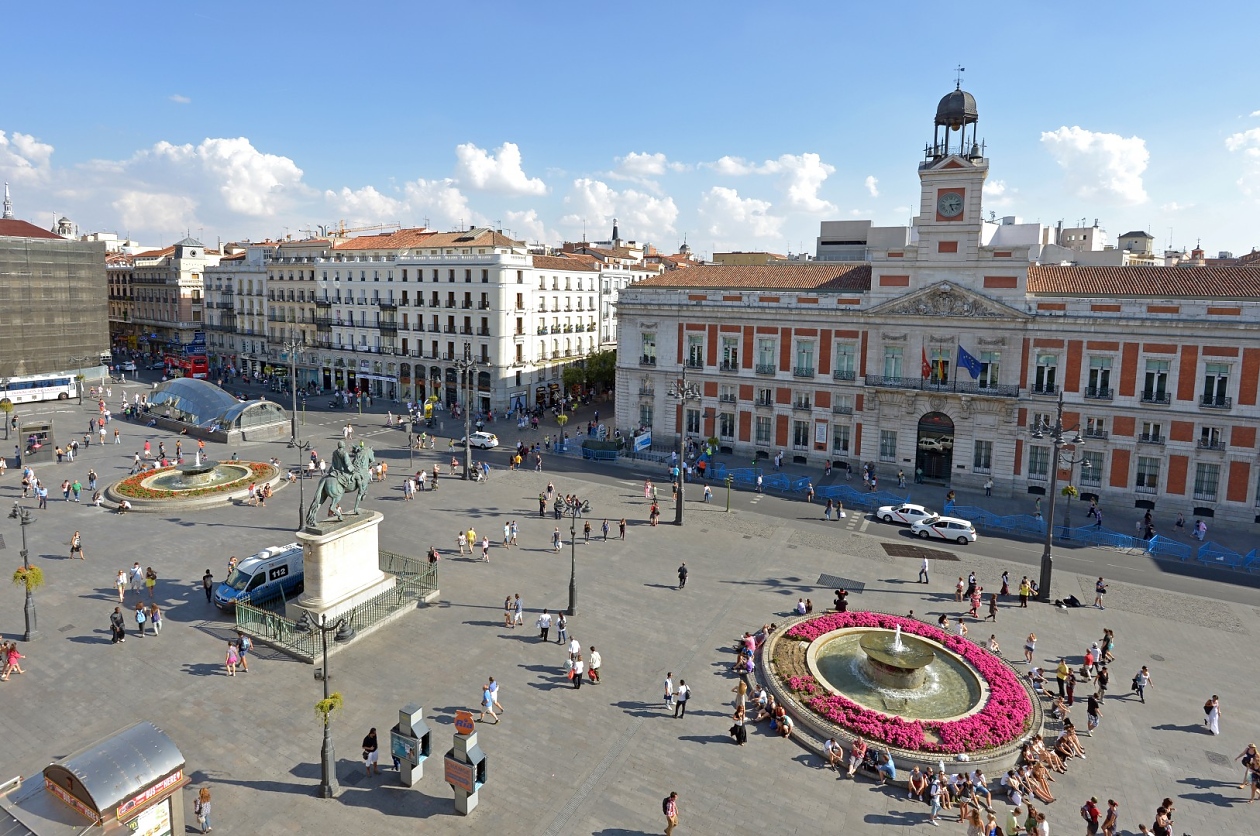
point(1253, 560)
point(1161, 546)
point(1214, 554)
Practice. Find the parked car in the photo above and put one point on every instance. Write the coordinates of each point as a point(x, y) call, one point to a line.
point(155, 365)
point(273, 571)
point(482, 440)
point(906, 514)
point(129, 366)
point(945, 528)
point(930, 445)
point(946, 442)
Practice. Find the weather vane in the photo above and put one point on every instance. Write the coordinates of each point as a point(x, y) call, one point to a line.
point(959, 70)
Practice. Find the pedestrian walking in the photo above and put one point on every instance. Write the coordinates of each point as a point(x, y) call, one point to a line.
point(669, 691)
point(1111, 820)
point(1030, 645)
point(1025, 589)
point(669, 806)
point(680, 703)
point(136, 577)
point(988, 486)
point(544, 625)
point(519, 610)
point(562, 630)
point(1250, 758)
point(556, 541)
point(494, 694)
point(232, 659)
point(595, 664)
point(682, 575)
point(1100, 589)
point(923, 571)
point(1212, 708)
point(993, 607)
point(485, 548)
point(117, 626)
point(586, 531)
point(244, 644)
point(487, 704)
point(605, 530)
point(207, 584)
point(76, 546)
point(579, 668)
point(1093, 713)
point(150, 581)
point(621, 528)
point(201, 809)
point(371, 752)
point(155, 618)
point(1141, 680)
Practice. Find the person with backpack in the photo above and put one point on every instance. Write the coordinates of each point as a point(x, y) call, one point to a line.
point(244, 644)
point(680, 699)
point(669, 806)
point(1091, 814)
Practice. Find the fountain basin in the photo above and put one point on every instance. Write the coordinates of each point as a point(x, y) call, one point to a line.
point(923, 681)
point(203, 484)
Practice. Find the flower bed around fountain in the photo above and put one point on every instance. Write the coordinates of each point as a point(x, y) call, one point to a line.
point(1004, 717)
point(134, 487)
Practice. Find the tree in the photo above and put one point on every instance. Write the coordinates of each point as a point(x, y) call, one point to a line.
point(601, 369)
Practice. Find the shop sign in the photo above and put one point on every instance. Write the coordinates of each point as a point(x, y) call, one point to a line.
point(73, 802)
point(151, 793)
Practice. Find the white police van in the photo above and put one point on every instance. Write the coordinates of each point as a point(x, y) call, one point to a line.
point(271, 572)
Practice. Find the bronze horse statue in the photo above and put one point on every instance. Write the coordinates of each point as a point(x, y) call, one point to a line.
point(341, 482)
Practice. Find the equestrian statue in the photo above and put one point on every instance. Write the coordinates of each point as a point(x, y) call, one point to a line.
point(349, 471)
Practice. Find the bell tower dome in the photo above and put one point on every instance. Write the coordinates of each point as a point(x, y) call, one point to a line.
point(952, 177)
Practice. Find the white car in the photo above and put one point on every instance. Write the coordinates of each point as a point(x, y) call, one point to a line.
point(930, 445)
point(946, 442)
point(945, 528)
point(483, 440)
point(129, 366)
point(904, 514)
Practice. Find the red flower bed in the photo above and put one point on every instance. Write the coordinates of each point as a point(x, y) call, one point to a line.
point(131, 486)
point(1003, 718)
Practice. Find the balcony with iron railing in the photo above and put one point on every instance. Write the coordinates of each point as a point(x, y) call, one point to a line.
point(1099, 393)
point(695, 363)
point(996, 390)
point(1205, 493)
point(483, 331)
point(1043, 389)
point(483, 305)
point(387, 304)
point(1145, 486)
point(323, 303)
point(1156, 396)
point(844, 375)
point(387, 327)
point(1211, 444)
point(1150, 438)
point(1099, 434)
point(841, 409)
point(726, 398)
point(766, 369)
point(802, 371)
point(802, 405)
point(1216, 402)
point(647, 360)
point(763, 402)
point(728, 366)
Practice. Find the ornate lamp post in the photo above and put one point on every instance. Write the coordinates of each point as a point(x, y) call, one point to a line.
point(328, 785)
point(468, 367)
point(1058, 436)
point(684, 392)
point(302, 447)
point(292, 347)
point(573, 510)
point(24, 518)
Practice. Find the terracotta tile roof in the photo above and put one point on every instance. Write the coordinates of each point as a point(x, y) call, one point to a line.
point(481, 237)
point(555, 262)
point(162, 253)
point(12, 228)
point(400, 240)
point(1232, 282)
point(841, 277)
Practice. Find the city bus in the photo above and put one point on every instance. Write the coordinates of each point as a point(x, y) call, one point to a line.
point(38, 388)
point(192, 365)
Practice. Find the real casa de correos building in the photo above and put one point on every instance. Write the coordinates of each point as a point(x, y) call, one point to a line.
point(939, 347)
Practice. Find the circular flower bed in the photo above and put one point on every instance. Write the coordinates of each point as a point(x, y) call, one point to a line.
point(133, 486)
point(1002, 719)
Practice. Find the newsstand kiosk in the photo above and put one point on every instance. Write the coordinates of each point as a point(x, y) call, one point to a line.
point(128, 782)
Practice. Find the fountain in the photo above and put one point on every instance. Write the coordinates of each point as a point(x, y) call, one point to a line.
point(895, 663)
point(201, 482)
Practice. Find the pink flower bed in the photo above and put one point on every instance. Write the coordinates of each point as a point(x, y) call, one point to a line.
point(1002, 719)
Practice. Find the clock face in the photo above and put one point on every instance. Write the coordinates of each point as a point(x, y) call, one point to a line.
point(950, 205)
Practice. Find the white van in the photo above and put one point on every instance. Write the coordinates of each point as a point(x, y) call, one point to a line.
point(273, 571)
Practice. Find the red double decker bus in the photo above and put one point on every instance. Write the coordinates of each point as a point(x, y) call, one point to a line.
point(193, 365)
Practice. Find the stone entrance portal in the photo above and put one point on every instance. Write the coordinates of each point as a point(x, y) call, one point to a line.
point(934, 453)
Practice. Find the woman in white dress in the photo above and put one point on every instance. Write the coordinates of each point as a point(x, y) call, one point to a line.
point(1214, 714)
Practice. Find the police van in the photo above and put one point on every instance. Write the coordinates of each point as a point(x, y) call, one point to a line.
point(273, 571)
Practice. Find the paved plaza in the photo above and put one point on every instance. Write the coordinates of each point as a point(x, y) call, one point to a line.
point(596, 760)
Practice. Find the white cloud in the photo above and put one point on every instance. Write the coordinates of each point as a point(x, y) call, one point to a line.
point(364, 206)
point(248, 181)
point(635, 166)
point(1100, 166)
point(497, 171)
point(156, 212)
point(441, 203)
point(178, 99)
point(23, 158)
point(997, 194)
point(731, 218)
point(1248, 142)
point(872, 185)
point(643, 217)
point(1174, 206)
point(1255, 113)
point(801, 176)
point(527, 226)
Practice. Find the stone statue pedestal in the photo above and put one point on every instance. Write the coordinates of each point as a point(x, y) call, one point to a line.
point(341, 566)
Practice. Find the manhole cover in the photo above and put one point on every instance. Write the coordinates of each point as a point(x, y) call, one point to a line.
point(1157, 657)
point(65, 629)
point(1217, 758)
point(834, 582)
point(917, 552)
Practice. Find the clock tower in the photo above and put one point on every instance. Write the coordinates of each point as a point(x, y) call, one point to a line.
point(952, 178)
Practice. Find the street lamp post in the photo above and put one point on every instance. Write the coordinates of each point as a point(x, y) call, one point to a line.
point(1057, 435)
point(468, 367)
point(24, 518)
point(328, 785)
point(302, 447)
point(292, 346)
point(573, 510)
point(684, 392)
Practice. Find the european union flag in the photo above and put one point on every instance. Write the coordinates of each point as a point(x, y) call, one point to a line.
point(966, 361)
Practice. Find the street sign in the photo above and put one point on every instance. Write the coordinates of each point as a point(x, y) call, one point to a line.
point(459, 774)
point(464, 723)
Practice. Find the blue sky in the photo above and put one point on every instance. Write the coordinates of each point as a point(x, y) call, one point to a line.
point(736, 125)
